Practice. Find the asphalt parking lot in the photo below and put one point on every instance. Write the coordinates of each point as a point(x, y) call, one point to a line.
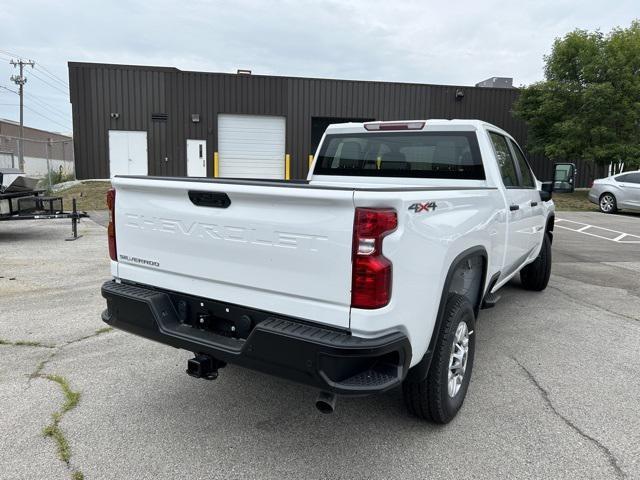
point(555, 390)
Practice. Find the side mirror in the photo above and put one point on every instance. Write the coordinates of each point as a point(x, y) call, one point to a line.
point(564, 177)
point(545, 191)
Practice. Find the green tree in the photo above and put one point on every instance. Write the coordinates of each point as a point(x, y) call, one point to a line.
point(588, 106)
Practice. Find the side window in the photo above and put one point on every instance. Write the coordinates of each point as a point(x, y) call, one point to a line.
point(505, 160)
point(633, 178)
point(629, 178)
point(527, 175)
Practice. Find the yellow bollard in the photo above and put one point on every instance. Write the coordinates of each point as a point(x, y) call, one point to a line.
point(287, 167)
point(310, 161)
point(216, 173)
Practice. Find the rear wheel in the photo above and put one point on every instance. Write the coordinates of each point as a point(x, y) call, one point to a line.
point(439, 396)
point(608, 203)
point(535, 276)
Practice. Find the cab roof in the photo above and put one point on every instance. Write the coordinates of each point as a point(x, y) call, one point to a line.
point(412, 126)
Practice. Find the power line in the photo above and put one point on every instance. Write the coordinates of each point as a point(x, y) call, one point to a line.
point(20, 80)
point(11, 54)
point(8, 89)
point(50, 84)
point(43, 69)
point(39, 66)
point(49, 108)
point(7, 56)
point(45, 117)
point(40, 99)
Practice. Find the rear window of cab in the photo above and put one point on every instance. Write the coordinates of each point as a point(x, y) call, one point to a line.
point(453, 155)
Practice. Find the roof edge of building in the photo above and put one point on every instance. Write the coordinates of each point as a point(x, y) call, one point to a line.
point(51, 132)
point(115, 66)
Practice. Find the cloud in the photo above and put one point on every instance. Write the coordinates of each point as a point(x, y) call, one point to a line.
point(410, 41)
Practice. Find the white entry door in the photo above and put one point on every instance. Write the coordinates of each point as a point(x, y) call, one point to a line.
point(128, 153)
point(196, 158)
point(251, 146)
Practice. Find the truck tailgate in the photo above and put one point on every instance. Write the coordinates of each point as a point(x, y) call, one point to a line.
point(280, 248)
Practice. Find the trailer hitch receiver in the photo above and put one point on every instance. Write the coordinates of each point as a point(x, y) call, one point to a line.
point(204, 366)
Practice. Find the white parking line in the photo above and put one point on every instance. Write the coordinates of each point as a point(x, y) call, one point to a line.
point(583, 227)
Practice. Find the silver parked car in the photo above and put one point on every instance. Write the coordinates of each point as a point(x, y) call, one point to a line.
point(621, 191)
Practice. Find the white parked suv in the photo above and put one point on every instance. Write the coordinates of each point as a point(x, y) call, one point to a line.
point(368, 275)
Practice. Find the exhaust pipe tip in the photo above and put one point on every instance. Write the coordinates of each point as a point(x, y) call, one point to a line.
point(326, 402)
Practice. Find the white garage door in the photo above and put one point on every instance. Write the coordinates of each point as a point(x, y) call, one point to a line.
point(251, 146)
point(127, 153)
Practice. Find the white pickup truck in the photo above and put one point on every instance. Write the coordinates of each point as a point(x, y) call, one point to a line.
point(367, 276)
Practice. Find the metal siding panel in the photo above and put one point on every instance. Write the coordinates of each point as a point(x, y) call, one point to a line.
point(94, 118)
point(97, 90)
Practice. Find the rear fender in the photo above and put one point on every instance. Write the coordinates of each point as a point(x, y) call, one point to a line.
point(467, 277)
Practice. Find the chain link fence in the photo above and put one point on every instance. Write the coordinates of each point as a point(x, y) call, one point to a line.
point(50, 160)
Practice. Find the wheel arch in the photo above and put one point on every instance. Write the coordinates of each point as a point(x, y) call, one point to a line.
point(551, 221)
point(478, 281)
point(608, 191)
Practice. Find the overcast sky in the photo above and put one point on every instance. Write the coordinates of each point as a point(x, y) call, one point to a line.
point(410, 41)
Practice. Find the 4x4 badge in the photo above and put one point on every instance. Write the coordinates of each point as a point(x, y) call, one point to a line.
point(423, 207)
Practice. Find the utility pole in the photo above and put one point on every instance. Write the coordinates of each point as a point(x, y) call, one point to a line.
point(20, 80)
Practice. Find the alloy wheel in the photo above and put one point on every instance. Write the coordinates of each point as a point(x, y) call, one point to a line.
point(458, 359)
point(606, 203)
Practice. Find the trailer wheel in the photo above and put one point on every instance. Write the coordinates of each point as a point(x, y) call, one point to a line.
point(440, 395)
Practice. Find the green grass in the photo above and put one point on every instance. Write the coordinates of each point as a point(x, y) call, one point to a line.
point(100, 331)
point(574, 202)
point(88, 195)
point(25, 343)
point(53, 430)
point(29, 343)
point(71, 398)
point(55, 176)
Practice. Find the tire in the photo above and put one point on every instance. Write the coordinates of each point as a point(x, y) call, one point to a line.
point(608, 203)
point(535, 276)
point(430, 399)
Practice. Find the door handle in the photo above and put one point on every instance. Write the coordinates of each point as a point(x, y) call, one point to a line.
point(513, 208)
point(209, 199)
point(534, 204)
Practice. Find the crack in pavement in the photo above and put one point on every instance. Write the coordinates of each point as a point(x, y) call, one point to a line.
point(582, 301)
point(53, 430)
point(57, 348)
point(613, 461)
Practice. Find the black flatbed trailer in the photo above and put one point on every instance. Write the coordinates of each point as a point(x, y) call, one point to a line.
point(35, 205)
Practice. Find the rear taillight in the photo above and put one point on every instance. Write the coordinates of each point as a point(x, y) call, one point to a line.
point(111, 228)
point(371, 271)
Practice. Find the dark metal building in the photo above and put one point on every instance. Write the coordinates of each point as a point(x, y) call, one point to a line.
point(171, 109)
